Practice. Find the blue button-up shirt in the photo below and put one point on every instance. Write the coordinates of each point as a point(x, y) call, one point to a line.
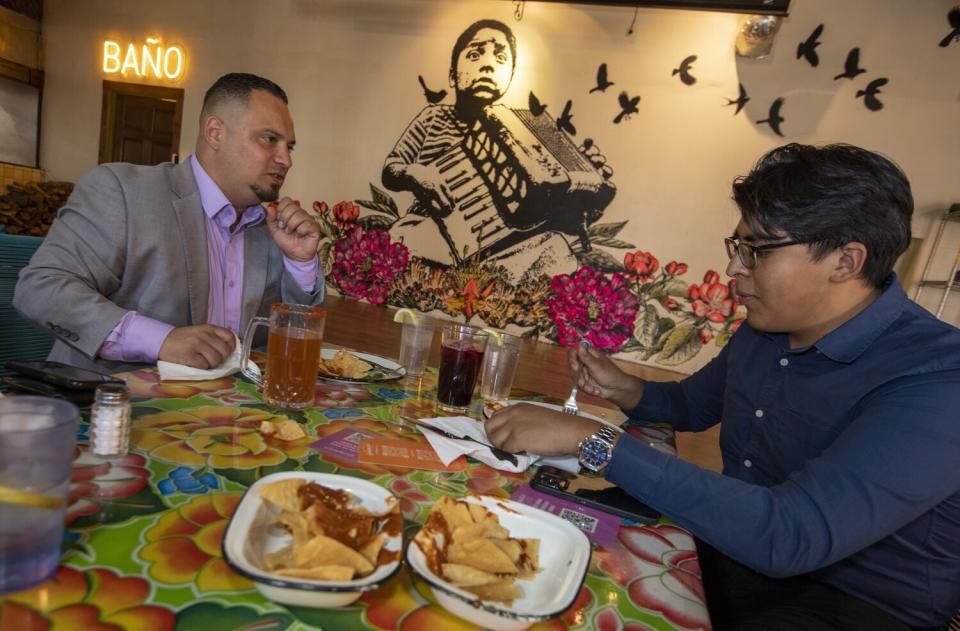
point(841, 459)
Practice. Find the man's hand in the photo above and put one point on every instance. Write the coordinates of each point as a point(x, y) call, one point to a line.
point(293, 229)
point(525, 427)
point(602, 378)
point(200, 346)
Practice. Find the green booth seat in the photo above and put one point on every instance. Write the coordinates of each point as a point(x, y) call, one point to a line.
point(18, 338)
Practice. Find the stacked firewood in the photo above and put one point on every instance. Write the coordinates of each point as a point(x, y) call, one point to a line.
point(30, 207)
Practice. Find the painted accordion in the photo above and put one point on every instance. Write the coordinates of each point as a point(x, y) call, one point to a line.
point(513, 175)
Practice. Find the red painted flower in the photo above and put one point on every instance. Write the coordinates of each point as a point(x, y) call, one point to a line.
point(670, 303)
point(711, 300)
point(345, 212)
point(658, 566)
point(321, 208)
point(97, 599)
point(589, 305)
point(343, 395)
point(93, 480)
point(365, 263)
point(674, 268)
point(640, 266)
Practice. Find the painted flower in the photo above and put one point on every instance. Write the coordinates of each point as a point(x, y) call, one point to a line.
point(94, 600)
point(216, 437)
point(94, 481)
point(365, 263)
point(343, 395)
point(712, 299)
point(640, 266)
point(321, 208)
point(345, 212)
point(485, 480)
point(658, 567)
point(410, 497)
point(190, 481)
point(675, 269)
point(145, 383)
point(592, 306)
point(183, 547)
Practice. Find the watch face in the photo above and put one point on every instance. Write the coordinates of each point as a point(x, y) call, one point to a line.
point(595, 453)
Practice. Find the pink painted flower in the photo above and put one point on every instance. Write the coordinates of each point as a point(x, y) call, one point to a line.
point(365, 263)
point(711, 300)
point(410, 498)
point(640, 266)
point(321, 208)
point(94, 480)
point(592, 306)
point(659, 568)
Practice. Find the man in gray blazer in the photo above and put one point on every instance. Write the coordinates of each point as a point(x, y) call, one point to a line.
point(169, 261)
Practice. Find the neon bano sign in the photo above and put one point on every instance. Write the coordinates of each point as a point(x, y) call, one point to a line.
point(150, 60)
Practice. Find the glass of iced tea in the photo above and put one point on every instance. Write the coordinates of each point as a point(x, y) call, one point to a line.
point(461, 359)
point(293, 354)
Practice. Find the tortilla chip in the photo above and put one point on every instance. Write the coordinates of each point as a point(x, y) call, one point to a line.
point(343, 364)
point(466, 576)
point(290, 430)
point(267, 428)
point(297, 525)
point(337, 573)
point(511, 547)
point(456, 514)
point(283, 494)
point(278, 560)
point(322, 550)
point(482, 554)
point(503, 590)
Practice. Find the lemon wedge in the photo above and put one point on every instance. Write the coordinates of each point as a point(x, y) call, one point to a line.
point(494, 335)
point(406, 316)
point(26, 498)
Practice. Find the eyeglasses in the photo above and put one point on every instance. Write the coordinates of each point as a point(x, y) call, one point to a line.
point(748, 252)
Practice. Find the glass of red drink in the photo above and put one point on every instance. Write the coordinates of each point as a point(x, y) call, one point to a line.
point(293, 354)
point(461, 360)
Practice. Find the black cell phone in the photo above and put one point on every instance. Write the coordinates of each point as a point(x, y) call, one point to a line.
point(61, 375)
point(16, 384)
point(593, 491)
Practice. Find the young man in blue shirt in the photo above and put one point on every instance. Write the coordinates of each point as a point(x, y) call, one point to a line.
point(839, 503)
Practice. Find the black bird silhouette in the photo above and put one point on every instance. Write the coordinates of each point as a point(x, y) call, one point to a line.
point(536, 108)
point(602, 82)
point(433, 96)
point(953, 16)
point(808, 49)
point(851, 67)
point(773, 118)
point(870, 94)
point(684, 70)
point(628, 107)
point(563, 122)
point(740, 101)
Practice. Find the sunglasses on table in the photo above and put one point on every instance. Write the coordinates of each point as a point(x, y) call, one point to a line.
point(748, 252)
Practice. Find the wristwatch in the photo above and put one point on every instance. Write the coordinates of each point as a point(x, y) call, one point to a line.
point(597, 449)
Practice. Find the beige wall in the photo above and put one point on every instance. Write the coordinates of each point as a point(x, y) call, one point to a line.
point(350, 68)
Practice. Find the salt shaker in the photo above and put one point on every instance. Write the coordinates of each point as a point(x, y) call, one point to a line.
point(110, 421)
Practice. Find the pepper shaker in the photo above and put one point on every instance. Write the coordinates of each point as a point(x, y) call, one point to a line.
point(110, 420)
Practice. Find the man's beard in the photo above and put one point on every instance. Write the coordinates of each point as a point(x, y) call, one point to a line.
point(266, 195)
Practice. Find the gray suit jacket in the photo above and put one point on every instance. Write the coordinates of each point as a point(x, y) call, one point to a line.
point(134, 238)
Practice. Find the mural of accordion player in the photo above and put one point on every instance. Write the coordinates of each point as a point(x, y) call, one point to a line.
point(560, 170)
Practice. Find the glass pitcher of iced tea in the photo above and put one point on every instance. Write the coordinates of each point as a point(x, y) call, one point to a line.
point(293, 354)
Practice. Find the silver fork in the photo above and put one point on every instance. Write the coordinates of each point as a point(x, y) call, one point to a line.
point(570, 405)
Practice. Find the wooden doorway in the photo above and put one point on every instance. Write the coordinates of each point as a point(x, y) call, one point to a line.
point(140, 124)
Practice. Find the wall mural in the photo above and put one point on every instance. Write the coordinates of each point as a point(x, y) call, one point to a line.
point(506, 224)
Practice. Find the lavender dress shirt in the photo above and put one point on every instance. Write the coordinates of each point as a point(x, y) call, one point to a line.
point(137, 338)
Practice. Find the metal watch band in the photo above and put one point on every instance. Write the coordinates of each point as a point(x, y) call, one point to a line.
point(596, 449)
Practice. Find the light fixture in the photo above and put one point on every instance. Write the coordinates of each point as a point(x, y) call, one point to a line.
point(755, 36)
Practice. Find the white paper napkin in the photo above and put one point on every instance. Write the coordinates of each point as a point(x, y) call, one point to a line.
point(448, 449)
point(179, 372)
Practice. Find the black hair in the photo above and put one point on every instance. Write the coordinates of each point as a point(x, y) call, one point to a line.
point(827, 197)
point(237, 86)
point(475, 28)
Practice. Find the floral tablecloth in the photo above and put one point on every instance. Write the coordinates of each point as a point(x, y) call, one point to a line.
point(142, 547)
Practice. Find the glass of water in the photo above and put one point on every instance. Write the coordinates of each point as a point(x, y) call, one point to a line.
point(37, 436)
point(500, 367)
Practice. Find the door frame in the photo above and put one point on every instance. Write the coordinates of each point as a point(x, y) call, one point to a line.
point(108, 112)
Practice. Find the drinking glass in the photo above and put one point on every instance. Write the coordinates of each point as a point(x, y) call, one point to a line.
point(461, 359)
point(500, 363)
point(37, 436)
point(415, 342)
point(293, 354)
